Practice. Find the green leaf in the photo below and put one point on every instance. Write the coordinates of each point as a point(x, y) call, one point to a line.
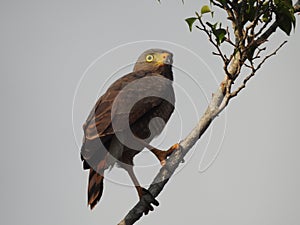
point(220, 35)
point(285, 25)
point(285, 15)
point(205, 9)
point(190, 21)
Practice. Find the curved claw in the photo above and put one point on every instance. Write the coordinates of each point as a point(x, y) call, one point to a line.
point(148, 200)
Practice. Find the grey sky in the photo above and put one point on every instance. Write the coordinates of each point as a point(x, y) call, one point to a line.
point(45, 48)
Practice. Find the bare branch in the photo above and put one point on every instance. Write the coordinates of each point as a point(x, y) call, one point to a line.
point(257, 55)
point(262, 28)
point(228, 39)
point(220, 98)
point(259, 13)
point(270, 55)
point(173, 161)
point(216, 4)
point(254, 70)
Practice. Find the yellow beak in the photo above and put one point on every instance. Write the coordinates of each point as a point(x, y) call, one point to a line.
point(164, 59)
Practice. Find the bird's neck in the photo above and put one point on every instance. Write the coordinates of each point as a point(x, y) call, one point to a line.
point(166, 71)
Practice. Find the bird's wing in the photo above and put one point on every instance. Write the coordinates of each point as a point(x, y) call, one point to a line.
point(113, 104)
point(99, 122)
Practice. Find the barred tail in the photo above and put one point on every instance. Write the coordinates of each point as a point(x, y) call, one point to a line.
point(95, 188)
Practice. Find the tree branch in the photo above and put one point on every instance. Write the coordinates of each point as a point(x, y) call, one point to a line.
point(218, 103)
point(173, 161)
point(254, 70)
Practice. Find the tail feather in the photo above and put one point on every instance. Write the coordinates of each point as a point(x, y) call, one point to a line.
point(95, 188)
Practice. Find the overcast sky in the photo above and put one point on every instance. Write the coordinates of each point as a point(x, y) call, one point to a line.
point(57, 57)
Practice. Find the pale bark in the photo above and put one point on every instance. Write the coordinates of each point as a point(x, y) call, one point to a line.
point(219, 101)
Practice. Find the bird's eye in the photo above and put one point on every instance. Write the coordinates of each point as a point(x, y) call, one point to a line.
point(149, 58)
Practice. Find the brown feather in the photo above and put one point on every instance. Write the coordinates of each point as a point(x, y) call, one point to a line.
point(98, 130)
point(95, 188)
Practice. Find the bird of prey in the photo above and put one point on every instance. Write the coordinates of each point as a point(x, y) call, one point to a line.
point(124, 121)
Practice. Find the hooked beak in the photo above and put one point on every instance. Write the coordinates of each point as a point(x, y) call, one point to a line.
point(165, 59)
point(168, 58)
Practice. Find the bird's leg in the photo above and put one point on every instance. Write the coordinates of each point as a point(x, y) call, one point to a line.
point(148, 198)
point(160, 154)
point(163, 155)
point(138, 187)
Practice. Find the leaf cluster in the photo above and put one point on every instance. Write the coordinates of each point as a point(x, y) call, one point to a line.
point(259, 13)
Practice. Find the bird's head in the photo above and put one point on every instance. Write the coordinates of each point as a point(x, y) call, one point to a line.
point(153, 59)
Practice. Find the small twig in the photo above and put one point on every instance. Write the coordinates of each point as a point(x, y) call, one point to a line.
point(228, 39)
point(248, 66)
point(262, 28)
point(216, 4)
point(270, 55)
point(259, 13)
point(254, 70)
point(257, 55)
point(208, 33)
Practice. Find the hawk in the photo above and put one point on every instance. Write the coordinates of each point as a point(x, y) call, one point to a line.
point(124, 121)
